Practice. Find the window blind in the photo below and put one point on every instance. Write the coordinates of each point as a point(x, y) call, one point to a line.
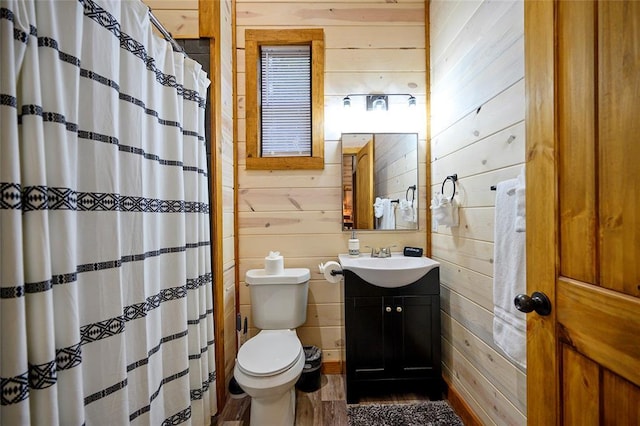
point(285, 101)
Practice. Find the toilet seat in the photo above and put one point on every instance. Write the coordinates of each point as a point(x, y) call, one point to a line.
point(269, 353)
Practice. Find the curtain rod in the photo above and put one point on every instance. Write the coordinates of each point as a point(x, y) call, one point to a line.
point(166, 34)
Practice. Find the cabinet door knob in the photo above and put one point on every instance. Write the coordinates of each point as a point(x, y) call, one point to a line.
point(398, 308)
point(388, 309)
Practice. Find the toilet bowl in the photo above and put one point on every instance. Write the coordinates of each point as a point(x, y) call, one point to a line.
point(267, 368)
point(270, 363)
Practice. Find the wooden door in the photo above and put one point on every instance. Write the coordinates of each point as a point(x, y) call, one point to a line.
point(583, 211)
point(364, 187)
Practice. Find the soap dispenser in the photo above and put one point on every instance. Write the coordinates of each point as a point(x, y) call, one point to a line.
point(354, 245)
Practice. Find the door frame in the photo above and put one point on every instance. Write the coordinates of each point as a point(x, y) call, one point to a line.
point(543, 393)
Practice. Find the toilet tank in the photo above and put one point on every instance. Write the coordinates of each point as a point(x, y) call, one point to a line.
point(278, 301)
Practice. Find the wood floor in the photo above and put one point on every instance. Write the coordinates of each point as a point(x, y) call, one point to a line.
point(325, 407)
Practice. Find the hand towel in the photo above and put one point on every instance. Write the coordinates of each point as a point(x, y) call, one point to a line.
point(388, 219)
point(407, 211)
point(509, 276)
point(520, 224)
point(445, 211)
point(377, 208)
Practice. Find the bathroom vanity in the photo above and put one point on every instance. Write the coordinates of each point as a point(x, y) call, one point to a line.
point(392, 335)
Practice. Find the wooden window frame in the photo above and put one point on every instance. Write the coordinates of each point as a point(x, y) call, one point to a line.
point(253, 40)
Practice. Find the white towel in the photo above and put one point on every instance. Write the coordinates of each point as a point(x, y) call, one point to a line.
point(388, 219)
point(520, 224)
point(509, 276)
point(407, 211)
point(444, 210)
point(377, 208)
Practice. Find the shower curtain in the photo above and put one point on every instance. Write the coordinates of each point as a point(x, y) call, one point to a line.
point(105, 273)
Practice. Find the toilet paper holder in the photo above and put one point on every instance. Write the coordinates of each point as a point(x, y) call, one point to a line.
point(333, 272)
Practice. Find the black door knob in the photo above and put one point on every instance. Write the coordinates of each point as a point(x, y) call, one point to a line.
point(538, 302)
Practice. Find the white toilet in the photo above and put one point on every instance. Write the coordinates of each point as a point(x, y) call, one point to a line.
point(270, 363)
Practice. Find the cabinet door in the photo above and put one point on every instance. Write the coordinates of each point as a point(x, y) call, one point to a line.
point(367, 337)
point(417, 337)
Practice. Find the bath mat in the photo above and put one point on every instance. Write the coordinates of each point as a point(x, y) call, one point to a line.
point(430, 413)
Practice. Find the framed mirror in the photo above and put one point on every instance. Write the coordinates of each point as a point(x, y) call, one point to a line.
point(379, 181)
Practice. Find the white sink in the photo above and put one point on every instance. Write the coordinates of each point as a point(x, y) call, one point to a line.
point(395, 271)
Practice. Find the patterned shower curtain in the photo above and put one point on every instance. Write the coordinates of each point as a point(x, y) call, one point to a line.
point(105, 275)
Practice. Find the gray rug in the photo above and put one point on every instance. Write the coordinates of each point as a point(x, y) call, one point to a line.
point(429, 413)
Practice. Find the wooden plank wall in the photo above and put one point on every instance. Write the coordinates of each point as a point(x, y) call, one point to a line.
point(396, 165)
point(371, 47)
point(226, 150)
point(477, 128)
point(179, 17)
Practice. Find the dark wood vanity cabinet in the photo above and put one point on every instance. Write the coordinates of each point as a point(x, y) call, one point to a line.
point(392, 337)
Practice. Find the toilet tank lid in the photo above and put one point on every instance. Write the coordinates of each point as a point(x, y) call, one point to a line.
point(288, 276)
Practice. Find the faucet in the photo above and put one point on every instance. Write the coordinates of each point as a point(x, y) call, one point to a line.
point(381, 252)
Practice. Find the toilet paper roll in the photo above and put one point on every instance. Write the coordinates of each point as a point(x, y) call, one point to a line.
point(273, 264)
point(332, 266)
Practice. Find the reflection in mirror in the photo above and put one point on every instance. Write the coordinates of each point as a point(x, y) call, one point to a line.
point(379, 181)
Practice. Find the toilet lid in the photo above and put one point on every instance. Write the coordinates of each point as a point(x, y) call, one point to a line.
point(269, 353)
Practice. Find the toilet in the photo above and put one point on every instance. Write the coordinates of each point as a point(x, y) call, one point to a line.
point(270, 363)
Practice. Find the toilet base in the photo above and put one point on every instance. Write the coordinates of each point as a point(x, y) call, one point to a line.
point(280, 410)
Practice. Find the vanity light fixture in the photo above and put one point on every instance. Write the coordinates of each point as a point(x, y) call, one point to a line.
point(378, 102)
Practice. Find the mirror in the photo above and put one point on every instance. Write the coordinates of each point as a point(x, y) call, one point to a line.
point(379, 181)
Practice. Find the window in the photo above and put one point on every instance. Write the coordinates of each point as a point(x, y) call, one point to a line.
point(285, 99)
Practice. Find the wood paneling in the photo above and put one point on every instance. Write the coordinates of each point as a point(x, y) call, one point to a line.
point(496, 406)
point(587, 324)
point(474, 318)
point(581, 384)
point(577, 142)
point(501, 112)
point(622, 400)
point(447, 20)
point(460, 406)
point(472, 254)
point(542, 365)
point(216, 23)
point(296, 199)
point(478, 132)
point(619, 95)
point(349, 37)
point(181, 23)
point(470, 284)
point(495, 367)
point(327, 14)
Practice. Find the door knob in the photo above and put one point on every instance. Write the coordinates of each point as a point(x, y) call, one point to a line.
point(388, 309)
point(398, 308)
point(538, 302)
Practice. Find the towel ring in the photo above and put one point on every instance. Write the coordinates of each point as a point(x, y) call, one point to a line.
point(453, 178)
point(412, 188)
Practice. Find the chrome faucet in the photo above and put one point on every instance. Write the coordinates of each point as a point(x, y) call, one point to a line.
point(381, 252)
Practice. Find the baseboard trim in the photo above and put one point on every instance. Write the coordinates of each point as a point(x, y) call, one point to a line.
point(332, 367)
point(459, 405)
